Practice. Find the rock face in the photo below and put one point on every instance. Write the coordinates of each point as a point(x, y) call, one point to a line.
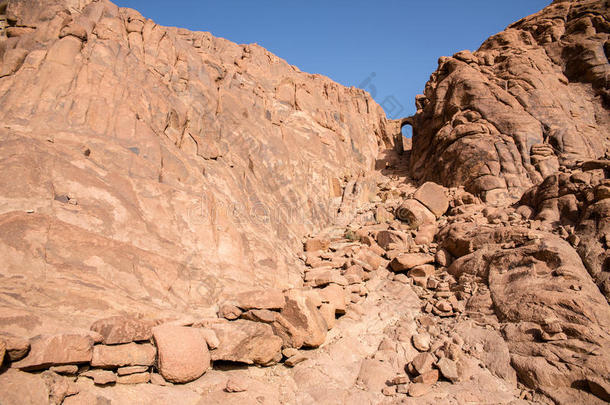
point(164, 156)
point(533, 96)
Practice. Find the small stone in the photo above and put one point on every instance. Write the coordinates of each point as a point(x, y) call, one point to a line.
point(229, 311)
point(137, 378)
point(400, 379)
point(70, 369)
point(444, 306)
point(423, 362)
point(289, 352)
point(236, 384)
point(448, 369)
point(131, 370)
point(429, 377)
point(101, 377)
point(210, 337)
point(421, 342)
point(157, 379)
point(389, 391)
point(402, 388)
point(294, 360)
point(419, 389)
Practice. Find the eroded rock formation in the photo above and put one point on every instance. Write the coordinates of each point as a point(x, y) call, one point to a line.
point(529, 99)
point(160, 162)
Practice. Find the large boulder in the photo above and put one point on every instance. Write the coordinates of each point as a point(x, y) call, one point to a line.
point(130, 354)
point(301, 312)
point(260, 299)
point(54, 350)
point(246, 342)
point(183, 354)
point(122, 329)
point(434, 197)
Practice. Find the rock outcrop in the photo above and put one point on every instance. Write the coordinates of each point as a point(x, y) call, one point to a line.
point(532, 97)
point(154, 169)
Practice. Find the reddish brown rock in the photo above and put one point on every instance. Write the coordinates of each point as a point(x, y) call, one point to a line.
point(16, 347)
point(434, 197)
point(246, 342)
point(52, 350)
point(407, 261)
point(316, 244)
point(304, 316)
point(101, 377)
point(429, 377)
point(131, 370)
point(190, 156)
point(414, 214)
point(137, 378)
point(19, 388)
point(183, 354)
point(479, 125)
point(261, 299)
point(121, 329)
point(130, 354)
point(423, 362)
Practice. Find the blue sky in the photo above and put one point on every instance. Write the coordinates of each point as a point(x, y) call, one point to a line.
point(395, 44)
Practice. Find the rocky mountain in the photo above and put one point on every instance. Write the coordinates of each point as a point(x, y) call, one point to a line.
point(531, 99)
point(188, 220)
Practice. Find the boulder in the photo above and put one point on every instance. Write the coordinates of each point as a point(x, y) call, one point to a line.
point(448, 369)
point(246, 342)
point(16, 347)
point(434, 197)
point(183, 354)
point(101, 377)
point(260, 299)
point(129, 354)
point(53, 350)
point(388, 239)
point(334, 295)
point(304, 316)
point(423, 362)
point(316, 244)
point(414, 214)
point(122, 329)
point(406, 261)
